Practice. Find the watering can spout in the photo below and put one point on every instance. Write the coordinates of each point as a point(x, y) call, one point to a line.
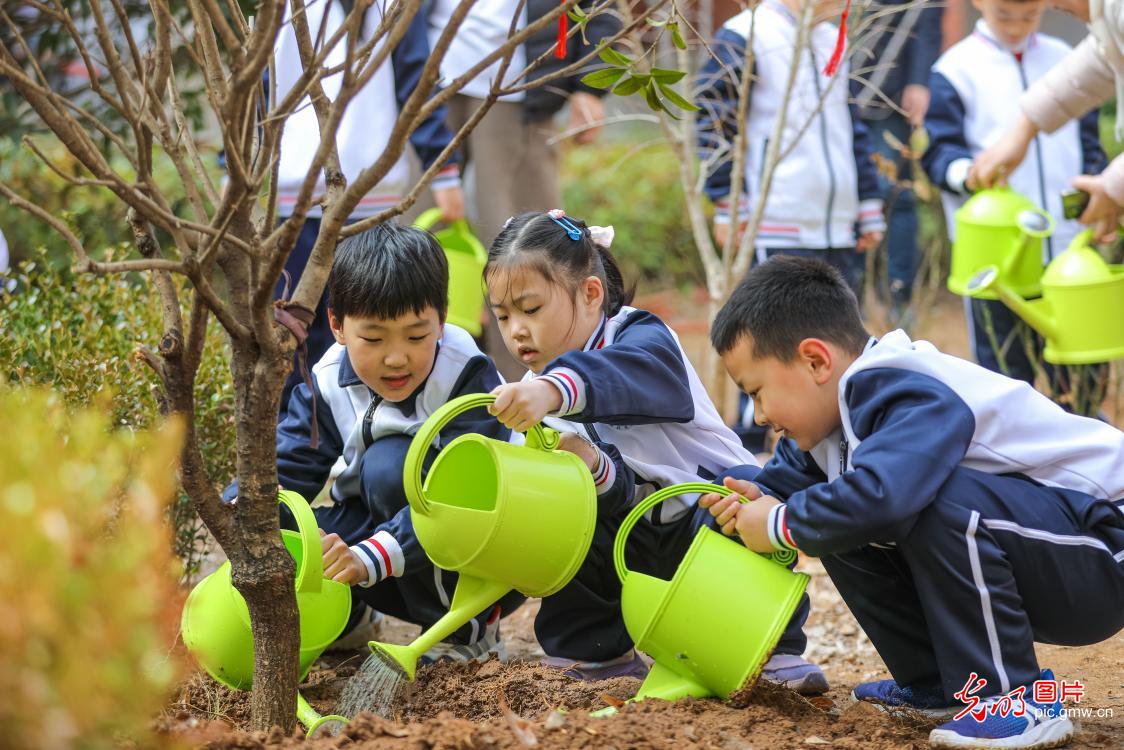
point(312, 721)
point(1032, 311)
point(664, 684)
point(472, 596)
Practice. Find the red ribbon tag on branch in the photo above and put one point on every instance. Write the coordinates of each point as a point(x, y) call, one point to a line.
point(563, 32)
point(840, 44)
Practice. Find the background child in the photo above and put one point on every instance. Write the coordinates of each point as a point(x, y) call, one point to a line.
point(976, 86)
point(961, 514)
point(363, 135)
point(394, 363)
point(826, 184)
point(616, 382)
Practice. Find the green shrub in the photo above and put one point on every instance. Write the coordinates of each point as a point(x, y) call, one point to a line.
point(87, 580)
point(76, 334)
point(638, 192)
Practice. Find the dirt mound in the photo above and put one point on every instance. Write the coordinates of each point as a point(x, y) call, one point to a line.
point(495, 707)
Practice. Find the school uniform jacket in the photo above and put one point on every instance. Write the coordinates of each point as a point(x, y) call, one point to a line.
point(910, 416)
point(351, 417)
point(367, 123)
point(632, 391)
point(975, 89)
point(827, 183)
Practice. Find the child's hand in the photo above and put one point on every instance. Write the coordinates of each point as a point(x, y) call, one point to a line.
point(573, 443)
point(868, 241)
point(722, 233)
point(450, 201)
point(340, 562)
point(749, 519)
point(521, 406)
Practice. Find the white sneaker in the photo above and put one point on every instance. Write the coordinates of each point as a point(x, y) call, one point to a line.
point(367, 629)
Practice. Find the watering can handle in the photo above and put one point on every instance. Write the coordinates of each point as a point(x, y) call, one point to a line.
point(430, 217)
point(310, 568)
point(784, 557)
point(542, 438)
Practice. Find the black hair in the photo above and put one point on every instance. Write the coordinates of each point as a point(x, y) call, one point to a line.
point(785, 300)
point(538, 241)
point(387, 271)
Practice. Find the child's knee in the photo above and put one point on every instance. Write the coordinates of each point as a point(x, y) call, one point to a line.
point(381, 471)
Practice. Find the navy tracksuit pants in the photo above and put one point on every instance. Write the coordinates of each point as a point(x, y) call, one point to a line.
point(992, 565)
point(583, 621)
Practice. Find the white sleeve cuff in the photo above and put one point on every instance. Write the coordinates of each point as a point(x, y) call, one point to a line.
point(871, 218)
point(604, 473)
point(777, 529)
point(382, 555)
point(449, 177)
point(957, 174)
point(572, 388)
point(722, 210)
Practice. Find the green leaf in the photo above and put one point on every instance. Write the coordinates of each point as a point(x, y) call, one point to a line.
point(664, 75)
point(657, 22)
point(603, 79)
point(676, 36)
point(577, 15)
point(614, 58)
point(628, 86)
point(673, 96)
point(653, 97)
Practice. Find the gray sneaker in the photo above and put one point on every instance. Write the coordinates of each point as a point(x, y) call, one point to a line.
point(630, 664)
point(795, 673)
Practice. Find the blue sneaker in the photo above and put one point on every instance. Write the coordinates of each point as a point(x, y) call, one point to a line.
point(1041, 725)
point(888, 695)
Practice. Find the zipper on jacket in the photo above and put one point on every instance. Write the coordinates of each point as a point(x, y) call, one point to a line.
point(1038, 155)
point(826, 153)
point(368, 421)
point(843, 448)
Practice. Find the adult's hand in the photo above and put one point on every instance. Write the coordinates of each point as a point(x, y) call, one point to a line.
point(994, 163)
point(915, 103)
point(586, 112)
point(1102, 213)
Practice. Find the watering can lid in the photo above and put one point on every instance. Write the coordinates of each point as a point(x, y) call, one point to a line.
point(996, 207)
point(1080, 264)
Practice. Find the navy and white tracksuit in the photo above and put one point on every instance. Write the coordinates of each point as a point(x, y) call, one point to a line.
point(961, 514)
point(363, 134)
point(975, 88)
point(371, 437)
point(826, 184)
point(632, 392)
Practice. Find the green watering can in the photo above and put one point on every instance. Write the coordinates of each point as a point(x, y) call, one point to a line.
point(704, 639)
point(216, 622)
point(1002, 228)
point(502, 516)
point(1081, 312)
point(467, 258)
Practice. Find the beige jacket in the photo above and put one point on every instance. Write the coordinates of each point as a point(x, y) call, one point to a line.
point(1086, 79)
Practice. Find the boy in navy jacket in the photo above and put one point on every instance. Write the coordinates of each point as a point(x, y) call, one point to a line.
point(396, 361)
point(961, 514)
